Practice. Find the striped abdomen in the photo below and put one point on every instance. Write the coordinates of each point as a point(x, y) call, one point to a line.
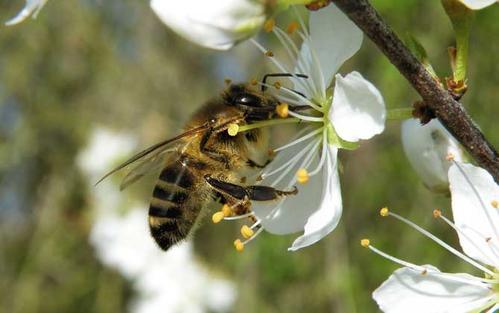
point(173, 212)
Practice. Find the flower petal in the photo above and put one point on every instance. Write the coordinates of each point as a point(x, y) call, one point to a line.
point(358, 109)
point(32, 7)
point(327, 216)
point(475, 215)
point(427, 147)
point(213, 24)
point(408, 291)
point(478, 4)
point(335, 39)
point(291, 213)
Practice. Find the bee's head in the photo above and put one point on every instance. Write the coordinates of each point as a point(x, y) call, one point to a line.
point(255, 105)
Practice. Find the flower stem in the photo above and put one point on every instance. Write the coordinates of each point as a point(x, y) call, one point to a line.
point(399, 113)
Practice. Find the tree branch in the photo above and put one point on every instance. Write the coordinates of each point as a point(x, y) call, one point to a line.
point(449, 111)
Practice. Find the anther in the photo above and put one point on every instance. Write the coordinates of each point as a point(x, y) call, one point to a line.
point(437, 213)
point(494, 203)
point(247, 232)
point(282, 110)
point(269, 25)
point(292, 27)
point(226, 210)
point(384, 212)
point(424, 272)
point(269, 53)
point(365, 242)
point(238, 245)
point(217, 217)
point(277, 85)
point(233, 129)
point(227, 81)
point(302, 176)
point(254, 82)
point(449, 157)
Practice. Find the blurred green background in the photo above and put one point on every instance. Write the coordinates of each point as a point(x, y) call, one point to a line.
point(95, 63)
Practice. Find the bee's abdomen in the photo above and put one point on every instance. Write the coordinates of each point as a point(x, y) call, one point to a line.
point(171, 213)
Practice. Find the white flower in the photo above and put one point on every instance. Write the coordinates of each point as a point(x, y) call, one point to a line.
point(415, 288)
point(214, 24)
point(478, 4)
point(427, 147)
point(32, 8)
point(336, 117)
point(166, 282)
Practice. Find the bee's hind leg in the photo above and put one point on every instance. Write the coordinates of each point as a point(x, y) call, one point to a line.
point(256, 193)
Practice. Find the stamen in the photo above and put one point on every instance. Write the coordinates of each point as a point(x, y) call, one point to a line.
point(291, 162)
point(238, 217)
point(277, 85)
point(269, 53)
point(384, 212)
point(217, 217)
point(227, 210)
point(269, 25)
point(254, 82)
point(306, 117)
point(292, 27)
point(282, 110)
point(323, 155)
point(302, 176)
point(440, 242)
point(233, 129)
point(494, 204)
point(450, 157)
point(259, 230)
point(247, 232)
point(365, 243)
point(276, 121)
point(238, 245)
point(227, 81)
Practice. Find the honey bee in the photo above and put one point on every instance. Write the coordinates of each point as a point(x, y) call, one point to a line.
point(206, 163)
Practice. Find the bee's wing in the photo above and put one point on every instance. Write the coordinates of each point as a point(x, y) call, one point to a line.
point(156, 154)
point(148, 164)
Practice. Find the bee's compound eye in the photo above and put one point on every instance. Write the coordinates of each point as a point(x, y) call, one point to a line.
point(247, 100)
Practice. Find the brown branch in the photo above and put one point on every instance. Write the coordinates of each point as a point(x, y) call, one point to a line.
point(449, 111)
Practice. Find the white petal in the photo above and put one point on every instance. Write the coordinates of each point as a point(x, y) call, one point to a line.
point(475, 215)
point(426, 147)
point(213, 24)
point(291, 214)
point(358, 109)
point(478, 4)
point(32, 7)
point(409, 291)
point(327, 216)
point(335, 39)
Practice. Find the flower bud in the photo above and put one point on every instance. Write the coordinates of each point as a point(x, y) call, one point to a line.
point(213, 24)
point(427, 148)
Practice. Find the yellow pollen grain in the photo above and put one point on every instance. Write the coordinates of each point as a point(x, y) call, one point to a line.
point(238, 245)
point(254, 82)
point(302, 176)
point(384, 212)
point(365, 242)
point(247, 232)
point(450, 157)
point(437, 213)
point(282, 110)
point(217, 217)
point(292, 27)
point(269, 53)
point(494, 203)
point(277, 85)
point(226, 210)
point(269, 24)
point(233, 129)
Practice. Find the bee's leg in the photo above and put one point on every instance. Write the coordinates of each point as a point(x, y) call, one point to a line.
point(256, 193)
point(209, 152)
point(252, 163)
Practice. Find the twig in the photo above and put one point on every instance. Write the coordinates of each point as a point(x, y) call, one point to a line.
point(449, 111)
